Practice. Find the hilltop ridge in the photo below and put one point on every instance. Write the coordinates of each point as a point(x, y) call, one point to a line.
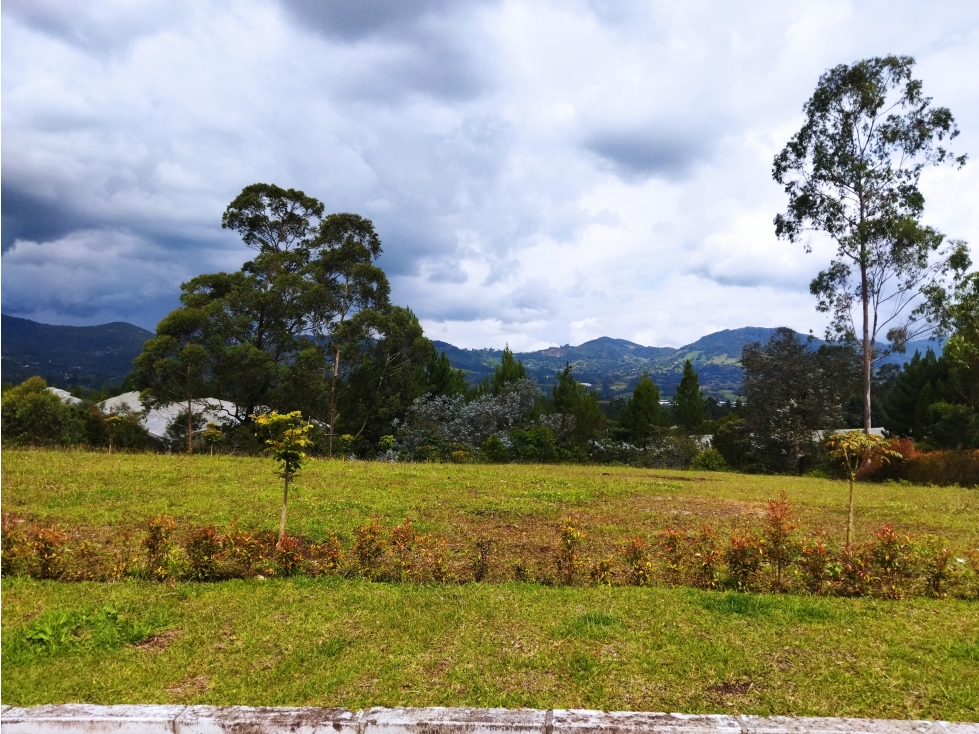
point(65, 356)
point(613, 366)
point(93, 356)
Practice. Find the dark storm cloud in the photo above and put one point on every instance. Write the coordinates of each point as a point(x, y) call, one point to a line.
point(428, 46)
point(26, 216)
point(636, 154)
point(358, 19)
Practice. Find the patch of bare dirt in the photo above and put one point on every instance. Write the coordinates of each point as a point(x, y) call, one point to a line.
point(733, 688)
point(190, 686)
point(159, 641)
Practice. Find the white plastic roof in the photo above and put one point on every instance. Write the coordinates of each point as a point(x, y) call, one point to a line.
point(156, 420)
point(66, 397)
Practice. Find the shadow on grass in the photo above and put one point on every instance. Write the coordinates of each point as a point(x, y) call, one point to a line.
point(792, 608)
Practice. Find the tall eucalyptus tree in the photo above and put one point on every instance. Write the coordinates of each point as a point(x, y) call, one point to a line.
point(852, 172)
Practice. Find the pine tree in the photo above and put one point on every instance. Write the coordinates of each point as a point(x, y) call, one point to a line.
point(572, 398)
point(441, 378)
point(641, 415)
point(510, 370)
point(688, 403)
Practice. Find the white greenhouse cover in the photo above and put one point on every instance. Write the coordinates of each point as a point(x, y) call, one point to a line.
point(156, 420)
point(66, 397)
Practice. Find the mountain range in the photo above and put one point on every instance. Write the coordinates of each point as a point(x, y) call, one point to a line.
point(93, 356)
point(613, 366)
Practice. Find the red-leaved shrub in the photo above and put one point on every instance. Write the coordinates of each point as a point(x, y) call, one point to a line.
point(893, 557)
point(744, 556)
point(636, 554)
point(814, 563)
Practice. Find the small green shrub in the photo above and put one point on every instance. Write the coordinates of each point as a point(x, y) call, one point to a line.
point(780, 547)
point(203, 546)
point(494, 451)
point(814, 563)
point(602, 573)
point(672, 542)
point(744, 556)
point(937, 561)
point(707, 560)
point(709, 460)
point(327, 556)
point(403, 542)
point(289, 559)
point(569, 556)
point(49, 552)
point(854, 572)
point(894, 560)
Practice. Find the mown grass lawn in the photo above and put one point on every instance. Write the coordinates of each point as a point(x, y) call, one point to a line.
point(349, 642)
point(334, 642)
point(512, 504)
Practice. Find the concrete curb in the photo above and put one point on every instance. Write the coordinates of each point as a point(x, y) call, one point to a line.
point(151, 719)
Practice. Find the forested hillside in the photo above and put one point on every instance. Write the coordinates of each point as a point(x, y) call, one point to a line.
point(66, 356)
point(93, 356)
point(613, 366)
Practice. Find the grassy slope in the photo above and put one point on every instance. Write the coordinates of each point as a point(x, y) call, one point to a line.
point(352, 643)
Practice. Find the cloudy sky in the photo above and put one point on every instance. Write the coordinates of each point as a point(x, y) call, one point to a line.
point(540, 172)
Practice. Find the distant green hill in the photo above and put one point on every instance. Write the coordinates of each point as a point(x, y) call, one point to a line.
point(65, 356)
point(613, 366)
point(93, 356)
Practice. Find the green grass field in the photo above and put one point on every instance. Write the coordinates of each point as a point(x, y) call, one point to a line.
point(507, 502)
point(333, 641)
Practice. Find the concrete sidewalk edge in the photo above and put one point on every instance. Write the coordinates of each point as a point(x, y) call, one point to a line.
point(175, 719)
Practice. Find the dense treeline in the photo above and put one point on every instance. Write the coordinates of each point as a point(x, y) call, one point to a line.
point(308, 325)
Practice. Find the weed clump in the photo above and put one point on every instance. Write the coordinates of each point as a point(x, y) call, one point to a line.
point(480, 562)
point(569, 555)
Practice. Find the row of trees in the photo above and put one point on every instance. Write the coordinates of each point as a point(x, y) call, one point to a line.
point(935, 400)
point(308, 326)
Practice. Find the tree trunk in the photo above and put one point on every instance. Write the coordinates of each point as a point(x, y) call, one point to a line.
point(333, 399)
point(868, 347)
point(190, 426)
point(849, 522)
point(285, 504)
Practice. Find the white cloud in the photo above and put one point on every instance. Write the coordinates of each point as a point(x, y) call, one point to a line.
point(540, 173)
